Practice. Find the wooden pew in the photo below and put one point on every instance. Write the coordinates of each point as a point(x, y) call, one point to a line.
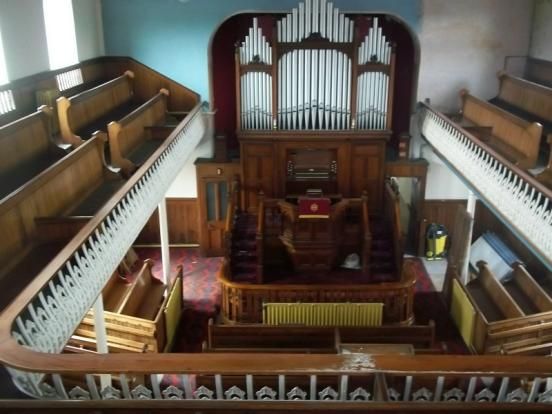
point(292, 338)
point(132, 139)
point(87, 112)
point(539, 71)
point(142, 317)
point(26, 149)
point(501, 324)
point(79, 182)
point(514, 138)
point(527, 293)
point(545, 176)
point(526, 99)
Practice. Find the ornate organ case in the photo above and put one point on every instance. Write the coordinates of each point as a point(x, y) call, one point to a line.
point(319, 92)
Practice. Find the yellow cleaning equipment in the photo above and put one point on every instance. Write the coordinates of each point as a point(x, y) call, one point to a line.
point(436, 241)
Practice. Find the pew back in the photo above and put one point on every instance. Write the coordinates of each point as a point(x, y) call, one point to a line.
point(498, 294)
point(514, 137)
point(25, 139)
point(83, 109)
point(129, 133)
point(531, 97)
point(138, 330)
point(49, 194)
point(525, 282)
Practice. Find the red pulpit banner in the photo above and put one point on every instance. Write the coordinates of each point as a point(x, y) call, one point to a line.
point(314, 207)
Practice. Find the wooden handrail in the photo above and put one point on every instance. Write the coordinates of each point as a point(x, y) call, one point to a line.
point(9, 348)
point(231, 210)
point(367, 235)
point(407, 281)
point(392, 211)
point(259, 237)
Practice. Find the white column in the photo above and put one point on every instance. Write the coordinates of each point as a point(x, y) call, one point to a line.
point(164, 233)
point(470, 208)
point(101, 337)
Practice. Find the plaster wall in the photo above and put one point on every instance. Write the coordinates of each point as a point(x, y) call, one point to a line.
point(541, 40)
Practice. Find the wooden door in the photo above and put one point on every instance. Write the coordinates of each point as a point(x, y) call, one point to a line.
point(213, 184)
point(257, 172)
point(367, 172)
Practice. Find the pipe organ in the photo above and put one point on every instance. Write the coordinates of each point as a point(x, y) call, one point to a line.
point(318, 74)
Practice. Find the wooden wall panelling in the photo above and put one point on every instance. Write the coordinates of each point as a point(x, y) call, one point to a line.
point(441, 212)
point(182, 218)
point(148, 82)
point(258, 171)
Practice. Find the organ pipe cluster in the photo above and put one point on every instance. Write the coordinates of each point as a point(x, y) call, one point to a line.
point(373, 87)
point(256, 86)
point(315, 79)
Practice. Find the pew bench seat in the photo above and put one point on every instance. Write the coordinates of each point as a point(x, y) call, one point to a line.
point(485, 134)
point(525, 302)
point(144, 151)
point(489, 308)
point(97, 197)
point(13, 179)
point(513, 109)
point(134, 138)
point(515, 138)
point(24, 268)
point(101, 123)
point(27, 148)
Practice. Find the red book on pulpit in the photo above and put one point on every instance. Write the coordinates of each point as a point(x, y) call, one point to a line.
point(314, 207)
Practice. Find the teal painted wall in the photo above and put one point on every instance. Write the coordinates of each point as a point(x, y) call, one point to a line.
point(172, 36)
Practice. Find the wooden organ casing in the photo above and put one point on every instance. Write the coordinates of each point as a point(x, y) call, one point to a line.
point(320, 84)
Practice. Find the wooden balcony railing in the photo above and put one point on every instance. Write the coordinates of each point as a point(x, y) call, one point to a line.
point(520, 201)
point(243, 302)
point(44, 316)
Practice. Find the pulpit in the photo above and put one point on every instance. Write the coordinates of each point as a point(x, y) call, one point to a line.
point(313, 232)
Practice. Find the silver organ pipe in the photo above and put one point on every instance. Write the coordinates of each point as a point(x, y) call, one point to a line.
point(314, 84)
point(256, 84)
point(375, 49)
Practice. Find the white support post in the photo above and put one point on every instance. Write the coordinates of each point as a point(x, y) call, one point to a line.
point(164, 233)
point(470, 208)
point(101, 337)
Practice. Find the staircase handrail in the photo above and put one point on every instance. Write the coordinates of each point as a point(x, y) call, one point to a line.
point(366, 234)
point(517, 198)
point(393, 215)
point(232, 210)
